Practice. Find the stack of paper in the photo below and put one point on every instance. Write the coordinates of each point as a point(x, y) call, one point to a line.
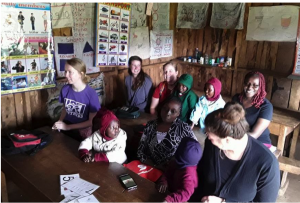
point(76, 189)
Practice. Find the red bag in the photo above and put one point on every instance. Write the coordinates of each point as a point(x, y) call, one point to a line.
point(144, 170)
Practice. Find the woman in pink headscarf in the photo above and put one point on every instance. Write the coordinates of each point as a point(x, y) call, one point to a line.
point(211, 101)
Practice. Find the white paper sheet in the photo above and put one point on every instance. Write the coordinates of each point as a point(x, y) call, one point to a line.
point(161, 44)
point(90, 198)
point(160, 16)
point(64, 179)
point(192, 15)
point(81, 187)
point(227, 15)
point(138, 16)
point(61, 15)
point(273, 23)
point(139, 43)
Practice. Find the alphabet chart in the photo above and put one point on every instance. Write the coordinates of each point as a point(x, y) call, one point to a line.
point(113, 24)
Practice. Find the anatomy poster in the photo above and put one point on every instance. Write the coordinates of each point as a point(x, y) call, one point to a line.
point(138, 15)
point(70, 47)
point(161, 44)
point(273, 23)
point(26, 49)
point(160, 16)
point(61, 15)
point(112, 42)
point(227, 15)
point(139, 43)
point(190, 15)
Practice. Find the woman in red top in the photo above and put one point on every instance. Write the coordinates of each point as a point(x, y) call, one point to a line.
point(165, 88)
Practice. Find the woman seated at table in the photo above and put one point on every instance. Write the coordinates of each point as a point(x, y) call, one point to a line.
point(108, 142)
point(259, 110)
point(162, 136)
point(235, 167)
point(81, 102)
point(138, 85)
point(165, 88)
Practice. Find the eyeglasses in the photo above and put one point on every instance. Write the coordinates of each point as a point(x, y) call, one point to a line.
point(255, 86)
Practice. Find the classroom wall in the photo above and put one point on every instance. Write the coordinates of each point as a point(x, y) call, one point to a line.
point(273, 59)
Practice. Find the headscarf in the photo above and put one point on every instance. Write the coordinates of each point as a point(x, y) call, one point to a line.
point(188, 153)
point(216, 83)
point(186, 80)
point(106, 117)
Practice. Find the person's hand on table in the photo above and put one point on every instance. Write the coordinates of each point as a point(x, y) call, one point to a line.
point(213, 199)
point(88, 158)
point(162, 187)
point(60, 125)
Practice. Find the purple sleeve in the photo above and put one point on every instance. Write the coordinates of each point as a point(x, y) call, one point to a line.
point(185, 190)
point(94, 102)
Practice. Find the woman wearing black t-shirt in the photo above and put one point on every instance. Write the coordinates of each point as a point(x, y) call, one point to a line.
point(259, 110)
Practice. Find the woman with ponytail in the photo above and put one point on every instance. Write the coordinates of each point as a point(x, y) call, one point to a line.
point(259, 110)
point(235, 167)
point(80, 101)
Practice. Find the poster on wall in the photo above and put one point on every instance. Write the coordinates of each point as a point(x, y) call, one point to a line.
point(273, 23)
point(112, 28)
point(73, 47)
point(139, 43)
point(296, 69)
point(81, 44)
point(161, 44)
point(26, 50)
point(227, 15)
point(138, 15)
point(61, 15)
point(192, 16)
point(160, 16)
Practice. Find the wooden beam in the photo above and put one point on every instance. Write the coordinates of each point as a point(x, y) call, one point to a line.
point(289, 165)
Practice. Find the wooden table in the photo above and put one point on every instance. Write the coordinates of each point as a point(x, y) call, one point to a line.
point(38, 175)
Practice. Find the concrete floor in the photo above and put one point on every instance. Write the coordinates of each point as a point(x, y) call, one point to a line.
point(291, 195)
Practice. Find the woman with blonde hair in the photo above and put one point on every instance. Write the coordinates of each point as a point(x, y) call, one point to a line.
point(235, 167)
point(81, 102)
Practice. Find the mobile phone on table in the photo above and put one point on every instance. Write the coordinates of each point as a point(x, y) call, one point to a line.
point(127, 182)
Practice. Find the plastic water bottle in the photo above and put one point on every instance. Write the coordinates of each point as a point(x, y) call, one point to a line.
point(206, 59)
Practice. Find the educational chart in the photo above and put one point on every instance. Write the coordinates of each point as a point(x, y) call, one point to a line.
point(227, 15)
point(71, 47)
point(139, 43)
point(296, 69)
point(81, 44)
point(190, 15)
point(273, 23)
point(160, 16)
point(161, 44)
point(113, 23)
point(138, 15)
point(26, 50)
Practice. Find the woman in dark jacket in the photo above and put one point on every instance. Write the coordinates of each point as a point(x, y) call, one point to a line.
point(235, 167)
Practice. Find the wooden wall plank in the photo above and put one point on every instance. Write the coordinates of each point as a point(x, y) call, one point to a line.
point(8, 112)
point(265, 56)
point(281, 92)
point(294, 102)
point(19, 104)
point(285, 57)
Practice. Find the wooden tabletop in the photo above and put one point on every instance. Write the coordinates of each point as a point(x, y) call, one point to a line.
point(39, 175)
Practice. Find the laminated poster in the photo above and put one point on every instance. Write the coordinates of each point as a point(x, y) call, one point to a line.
point(161, 44)
point(26, 50)
point(112, 28)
